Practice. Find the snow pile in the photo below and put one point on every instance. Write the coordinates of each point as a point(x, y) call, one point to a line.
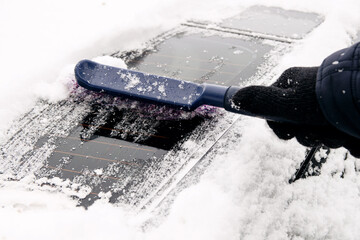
point(244, 195)
point(110, 61)
point(27, 212)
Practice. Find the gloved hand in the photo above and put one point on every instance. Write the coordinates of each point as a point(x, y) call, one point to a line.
point(292, 101)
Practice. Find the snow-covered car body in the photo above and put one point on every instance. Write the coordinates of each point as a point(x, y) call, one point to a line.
point(139, 153)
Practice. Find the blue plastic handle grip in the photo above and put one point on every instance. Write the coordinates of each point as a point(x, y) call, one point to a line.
point(213, 95)
point(159, 90)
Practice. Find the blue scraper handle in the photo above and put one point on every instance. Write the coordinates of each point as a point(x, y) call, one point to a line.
point(152, 88)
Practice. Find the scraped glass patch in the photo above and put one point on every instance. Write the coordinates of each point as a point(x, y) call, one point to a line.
point(274, 21)
point(114, 147)
point(205, 59)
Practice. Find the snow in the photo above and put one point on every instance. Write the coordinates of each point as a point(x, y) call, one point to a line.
point(238, 52)
point(131, 79)
point(243, 195)
point(110, 61)
point(161, 89)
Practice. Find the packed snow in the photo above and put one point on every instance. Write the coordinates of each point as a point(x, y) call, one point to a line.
point(244, 194)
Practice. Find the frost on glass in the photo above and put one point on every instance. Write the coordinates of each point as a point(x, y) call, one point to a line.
point(274, 21)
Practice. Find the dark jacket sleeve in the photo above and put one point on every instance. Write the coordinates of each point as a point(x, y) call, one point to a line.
point(338, 89)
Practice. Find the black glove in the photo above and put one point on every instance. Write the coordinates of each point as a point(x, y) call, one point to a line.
point(292, 101)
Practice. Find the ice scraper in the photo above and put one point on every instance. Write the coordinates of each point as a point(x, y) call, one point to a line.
point(154, 89)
